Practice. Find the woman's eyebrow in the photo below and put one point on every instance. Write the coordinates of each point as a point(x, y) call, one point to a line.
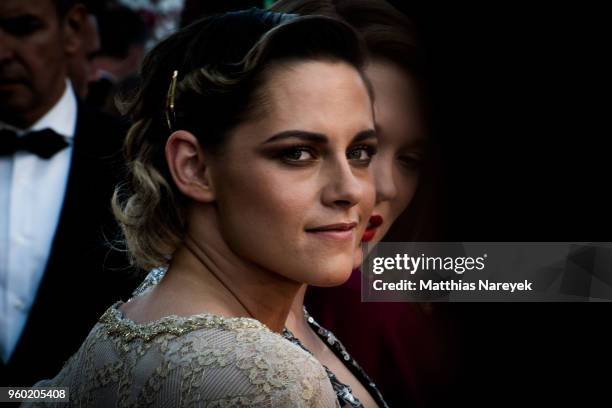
point(418, 142)
point(365, 135)
point(317, 137)
point(298, 134)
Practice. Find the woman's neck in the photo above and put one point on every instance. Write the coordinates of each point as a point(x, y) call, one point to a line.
point(298, 326)
point(295, 319)
point(209, 277)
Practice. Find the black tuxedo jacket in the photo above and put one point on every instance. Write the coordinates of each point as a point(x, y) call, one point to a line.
point(83, 275)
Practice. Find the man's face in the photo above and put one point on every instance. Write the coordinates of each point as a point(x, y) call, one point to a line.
point(34, 46)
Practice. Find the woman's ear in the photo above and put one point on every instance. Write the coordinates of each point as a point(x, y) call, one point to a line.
point(188, 166)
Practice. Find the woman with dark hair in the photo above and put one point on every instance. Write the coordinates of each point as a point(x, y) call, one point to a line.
point(395, 343)
point(249, 177)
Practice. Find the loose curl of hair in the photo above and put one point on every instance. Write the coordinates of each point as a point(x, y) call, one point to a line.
point(223, 64)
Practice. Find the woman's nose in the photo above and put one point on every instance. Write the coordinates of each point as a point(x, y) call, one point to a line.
point(343, 187)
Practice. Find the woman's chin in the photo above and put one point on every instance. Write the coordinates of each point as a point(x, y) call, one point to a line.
point(333, 273)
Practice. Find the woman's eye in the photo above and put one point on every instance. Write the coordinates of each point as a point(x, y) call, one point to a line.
point(362, 153)
point(298, 154)
point(411, 162)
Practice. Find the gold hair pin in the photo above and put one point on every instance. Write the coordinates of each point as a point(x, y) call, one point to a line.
point(170, 113)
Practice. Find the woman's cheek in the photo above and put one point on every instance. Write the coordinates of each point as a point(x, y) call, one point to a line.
point(406, 182)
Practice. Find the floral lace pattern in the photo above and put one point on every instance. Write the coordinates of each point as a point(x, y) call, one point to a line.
point(198, 361)
point(344, 393)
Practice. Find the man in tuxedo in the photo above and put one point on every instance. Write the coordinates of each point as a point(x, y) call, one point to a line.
point(59, 164)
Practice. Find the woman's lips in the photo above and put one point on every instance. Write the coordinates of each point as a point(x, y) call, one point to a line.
point(374, 222)
point(340, 231)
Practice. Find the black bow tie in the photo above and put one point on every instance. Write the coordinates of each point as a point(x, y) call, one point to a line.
point(43, 143)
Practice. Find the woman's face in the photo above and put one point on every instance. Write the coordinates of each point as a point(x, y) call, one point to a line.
point(400, 136)
point(293, 188)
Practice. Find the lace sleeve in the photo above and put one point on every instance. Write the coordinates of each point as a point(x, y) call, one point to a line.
point(205, 361)
point(265, 371)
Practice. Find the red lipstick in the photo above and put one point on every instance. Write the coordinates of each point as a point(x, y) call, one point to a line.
point(374, 222)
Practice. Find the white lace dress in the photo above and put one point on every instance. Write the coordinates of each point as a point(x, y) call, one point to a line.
point(198, 361)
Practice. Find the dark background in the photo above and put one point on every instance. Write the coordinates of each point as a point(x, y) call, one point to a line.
point(517, 94)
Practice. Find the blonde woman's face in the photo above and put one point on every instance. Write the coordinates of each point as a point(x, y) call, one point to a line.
point(400, 150)
point(294, 188)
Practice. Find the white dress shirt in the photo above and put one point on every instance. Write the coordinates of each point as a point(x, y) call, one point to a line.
point(31, 196)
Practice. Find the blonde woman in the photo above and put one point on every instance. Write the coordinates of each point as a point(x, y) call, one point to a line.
point(249, 177)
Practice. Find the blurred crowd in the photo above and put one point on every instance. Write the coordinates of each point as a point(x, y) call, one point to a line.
point(116, 35)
